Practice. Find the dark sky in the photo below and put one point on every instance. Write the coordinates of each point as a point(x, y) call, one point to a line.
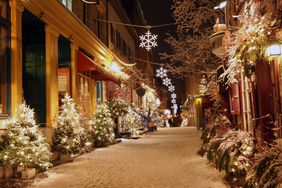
point(158, 12)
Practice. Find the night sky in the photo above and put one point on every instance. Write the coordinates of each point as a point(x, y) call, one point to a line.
point(158, 12)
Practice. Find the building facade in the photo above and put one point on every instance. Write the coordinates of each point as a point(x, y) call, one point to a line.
point(58, 47)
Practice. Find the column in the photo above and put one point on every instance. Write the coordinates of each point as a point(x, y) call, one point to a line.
point(52, 99)
point(16, 54)
point(74, 75)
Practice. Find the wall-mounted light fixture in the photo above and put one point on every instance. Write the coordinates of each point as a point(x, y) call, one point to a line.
point(274, 49)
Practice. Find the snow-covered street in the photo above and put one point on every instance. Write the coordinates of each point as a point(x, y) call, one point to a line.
point(166, 158)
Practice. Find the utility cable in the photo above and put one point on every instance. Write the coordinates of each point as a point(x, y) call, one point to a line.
point(89, 2)
point(135, 25)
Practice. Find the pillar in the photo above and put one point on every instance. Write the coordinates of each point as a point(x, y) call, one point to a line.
point(52, 99)
point(16, 54)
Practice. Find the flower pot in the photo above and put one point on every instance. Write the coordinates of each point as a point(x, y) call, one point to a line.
point(8, 171)
point(55, 156)
point(66, 157)
point(28, 173)
point(1, 172)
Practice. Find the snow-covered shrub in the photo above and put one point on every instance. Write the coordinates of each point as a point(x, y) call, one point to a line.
point(102, 126)
point(68, 135)
point(266, 171)
point(23, 143)
point(231, 152)
point(218, 127)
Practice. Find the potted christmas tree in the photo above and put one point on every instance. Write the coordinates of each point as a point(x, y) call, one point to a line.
point(102, 126)
point(24, 145)
point(67, 132)
point(118, 108)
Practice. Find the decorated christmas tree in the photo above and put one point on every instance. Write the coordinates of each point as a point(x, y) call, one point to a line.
point(133, 122)
point(68, 134)
point(23, 143)
point(118, 107)
point(102, 126)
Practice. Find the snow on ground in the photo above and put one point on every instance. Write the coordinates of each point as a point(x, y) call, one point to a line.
point(166, 158)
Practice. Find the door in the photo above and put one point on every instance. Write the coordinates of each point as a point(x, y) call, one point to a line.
point(265, 100)
point(34, 80)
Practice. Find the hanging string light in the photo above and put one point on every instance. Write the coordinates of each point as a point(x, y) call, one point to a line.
point(173, 96)
point(148, 41)
point(161, 72)
point(171, 88)
point(166, 81)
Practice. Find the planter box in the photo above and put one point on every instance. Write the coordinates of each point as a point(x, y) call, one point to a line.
point(17, 171)
point(1, 172)
point(8, 171)
point(28, 173)
point(66, 157)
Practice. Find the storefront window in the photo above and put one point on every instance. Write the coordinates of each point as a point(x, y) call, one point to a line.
point(99, 92)
point(68, 4)
point(4, 58)
point(85, 99)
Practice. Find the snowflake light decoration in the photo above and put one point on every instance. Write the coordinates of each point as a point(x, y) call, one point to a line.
point(161, 72)
point(173, 96)
point(148, 41)
point(173, 101)
point(166, 81)
point(171, 88)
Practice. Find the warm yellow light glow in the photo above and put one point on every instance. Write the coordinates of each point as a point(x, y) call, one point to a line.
point(115, 67)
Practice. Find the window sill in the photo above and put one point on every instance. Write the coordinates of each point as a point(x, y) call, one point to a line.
point(4, 116)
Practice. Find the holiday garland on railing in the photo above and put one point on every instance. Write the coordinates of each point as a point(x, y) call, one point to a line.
point(249, 42)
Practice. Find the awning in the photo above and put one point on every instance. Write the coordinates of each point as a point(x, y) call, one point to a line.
point(86, 65)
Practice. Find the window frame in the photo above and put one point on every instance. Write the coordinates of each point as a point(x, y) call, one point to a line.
point(5, 23)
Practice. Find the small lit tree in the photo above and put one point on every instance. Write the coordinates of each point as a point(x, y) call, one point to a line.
point(102, 126)
point(68, 133)
point(23, 143)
